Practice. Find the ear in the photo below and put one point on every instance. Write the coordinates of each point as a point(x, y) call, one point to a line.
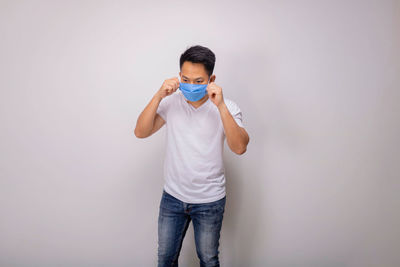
point(212, 78)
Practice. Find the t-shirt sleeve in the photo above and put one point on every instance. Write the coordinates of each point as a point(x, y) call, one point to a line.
point(162, 109)
point(235, 112)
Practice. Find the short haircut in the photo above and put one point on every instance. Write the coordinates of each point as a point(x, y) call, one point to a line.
point(199, 54)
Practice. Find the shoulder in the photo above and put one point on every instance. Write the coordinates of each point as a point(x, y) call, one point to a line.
point(170, 99)
point(235, 111)
point(175, 96)
point(231, 105)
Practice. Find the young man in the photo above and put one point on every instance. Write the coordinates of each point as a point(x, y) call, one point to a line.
point(198, 118)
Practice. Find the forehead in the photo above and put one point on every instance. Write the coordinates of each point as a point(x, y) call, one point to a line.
point(190, 69)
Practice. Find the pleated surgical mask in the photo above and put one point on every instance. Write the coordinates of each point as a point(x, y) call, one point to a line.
point(193, 92)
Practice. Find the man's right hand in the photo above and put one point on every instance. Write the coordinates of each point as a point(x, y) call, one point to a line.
point(168, 87)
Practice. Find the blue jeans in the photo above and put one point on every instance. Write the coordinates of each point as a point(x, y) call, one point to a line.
point(173, 221)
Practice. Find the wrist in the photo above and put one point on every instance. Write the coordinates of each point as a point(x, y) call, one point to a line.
point(158, 97)
point(221, 106)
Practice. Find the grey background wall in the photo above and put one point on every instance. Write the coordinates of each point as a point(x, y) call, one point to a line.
point(318, 85)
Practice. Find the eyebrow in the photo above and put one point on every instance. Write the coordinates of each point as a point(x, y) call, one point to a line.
point(195, 78)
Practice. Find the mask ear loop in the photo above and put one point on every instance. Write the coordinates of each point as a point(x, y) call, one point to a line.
point(180, 80)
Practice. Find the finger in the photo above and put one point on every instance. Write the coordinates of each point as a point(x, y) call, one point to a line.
point(171, 84)
point(174, 83)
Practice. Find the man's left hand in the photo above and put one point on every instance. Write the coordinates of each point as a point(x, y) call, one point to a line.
point(215, 94)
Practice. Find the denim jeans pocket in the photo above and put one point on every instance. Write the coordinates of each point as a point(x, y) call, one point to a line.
point(217, 206)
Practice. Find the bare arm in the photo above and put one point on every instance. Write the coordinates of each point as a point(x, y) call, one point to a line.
point(149, 121)
point(236, 136)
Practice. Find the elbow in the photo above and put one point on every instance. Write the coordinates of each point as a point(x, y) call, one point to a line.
point(138, 134)
point(243, 148)
point(241, 151)
point(238, 149)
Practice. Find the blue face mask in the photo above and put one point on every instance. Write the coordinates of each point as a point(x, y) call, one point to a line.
point(193, 92)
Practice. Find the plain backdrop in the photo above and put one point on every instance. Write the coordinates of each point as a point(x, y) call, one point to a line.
point(318, 85)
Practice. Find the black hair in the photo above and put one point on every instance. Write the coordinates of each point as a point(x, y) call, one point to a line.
point(199, 54)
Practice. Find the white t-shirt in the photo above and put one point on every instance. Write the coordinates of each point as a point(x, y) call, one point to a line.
point(193, 166)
